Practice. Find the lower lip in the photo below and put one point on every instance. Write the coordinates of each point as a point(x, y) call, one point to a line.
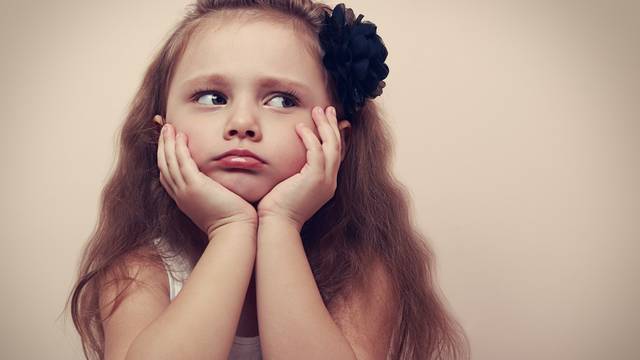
point(240, 162)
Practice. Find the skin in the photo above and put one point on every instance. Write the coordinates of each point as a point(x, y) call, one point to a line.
point(238, 113)
point(301, 141)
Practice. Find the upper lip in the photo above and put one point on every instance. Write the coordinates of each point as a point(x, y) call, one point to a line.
point(239, 152)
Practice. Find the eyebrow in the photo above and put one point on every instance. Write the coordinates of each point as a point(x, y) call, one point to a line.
point(263, 82)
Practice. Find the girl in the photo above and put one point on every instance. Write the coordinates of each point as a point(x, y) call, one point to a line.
point(254, 171)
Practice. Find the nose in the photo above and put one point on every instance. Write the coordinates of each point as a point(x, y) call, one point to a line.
point(243, 123)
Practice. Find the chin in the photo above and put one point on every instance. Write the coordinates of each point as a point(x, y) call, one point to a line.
point(251, 191)
point(252, 197)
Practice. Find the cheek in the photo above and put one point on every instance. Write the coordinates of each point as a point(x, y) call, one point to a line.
point(293, 157)
point(200, 152)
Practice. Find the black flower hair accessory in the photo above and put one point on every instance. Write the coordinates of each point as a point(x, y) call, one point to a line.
point(354, 56)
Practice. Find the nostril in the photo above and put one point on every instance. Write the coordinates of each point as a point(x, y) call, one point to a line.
point(251, 133)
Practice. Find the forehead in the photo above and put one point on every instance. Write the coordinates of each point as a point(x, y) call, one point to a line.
point(247, 47)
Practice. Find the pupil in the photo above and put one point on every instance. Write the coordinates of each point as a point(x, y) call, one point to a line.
point(216, 98)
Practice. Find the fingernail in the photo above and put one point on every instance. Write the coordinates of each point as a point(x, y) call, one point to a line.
point(318, 110)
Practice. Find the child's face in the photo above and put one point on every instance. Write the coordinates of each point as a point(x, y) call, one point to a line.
point(242, 111)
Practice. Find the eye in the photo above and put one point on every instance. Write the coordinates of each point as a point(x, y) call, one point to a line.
point(284, 100)
point(211, 97)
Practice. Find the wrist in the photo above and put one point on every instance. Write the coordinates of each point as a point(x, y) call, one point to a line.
point(246, 229)
point(279, 221)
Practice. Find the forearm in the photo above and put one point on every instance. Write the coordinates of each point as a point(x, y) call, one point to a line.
point(201, 321)
point(293, 321)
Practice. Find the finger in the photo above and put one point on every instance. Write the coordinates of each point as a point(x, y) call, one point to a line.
point(333, 121)
point(315, 157)
point(333, 158)
point(324, 128)
point(330, 144)
point(170, 156)
point(167, 187)
point(188, 166)
point(162, 163)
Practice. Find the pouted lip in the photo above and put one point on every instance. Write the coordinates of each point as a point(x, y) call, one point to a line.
point(239, 152)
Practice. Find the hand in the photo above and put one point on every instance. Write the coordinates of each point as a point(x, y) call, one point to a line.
point(297, 198)
point(206, 202)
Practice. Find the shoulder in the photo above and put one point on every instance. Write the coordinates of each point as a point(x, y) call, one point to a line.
point(131, 295)
point(137, 274)
point(367, 313)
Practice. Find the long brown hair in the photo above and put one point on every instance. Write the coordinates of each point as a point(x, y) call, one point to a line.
point(368, 218)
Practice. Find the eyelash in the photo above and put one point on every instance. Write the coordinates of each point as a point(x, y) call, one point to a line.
point(291, 94)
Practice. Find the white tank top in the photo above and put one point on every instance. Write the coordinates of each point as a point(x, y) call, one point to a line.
point(243, 348)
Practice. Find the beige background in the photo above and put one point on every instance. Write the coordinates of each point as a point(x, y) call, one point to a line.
point(517, 129)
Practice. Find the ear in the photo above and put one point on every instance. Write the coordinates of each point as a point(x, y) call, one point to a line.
point(345, 131)
point(158, 119)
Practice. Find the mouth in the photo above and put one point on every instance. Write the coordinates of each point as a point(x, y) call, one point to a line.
point(239, 155)
point(240, 162)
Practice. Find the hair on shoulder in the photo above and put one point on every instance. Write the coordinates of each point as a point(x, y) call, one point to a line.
point(366, 222)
